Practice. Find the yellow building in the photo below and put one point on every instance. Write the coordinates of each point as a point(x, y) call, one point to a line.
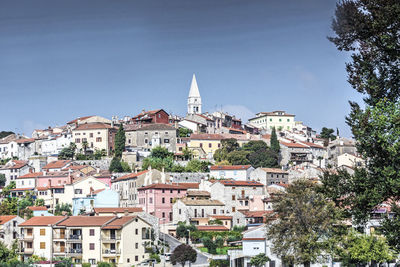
point(279, 119)
point(205, 145)
point(96, 136)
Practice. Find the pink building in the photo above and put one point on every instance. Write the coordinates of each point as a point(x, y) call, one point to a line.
point(157, 199)
point(51, 179)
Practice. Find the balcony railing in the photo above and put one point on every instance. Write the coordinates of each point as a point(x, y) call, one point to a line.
point(111, 251)
point(74, 237)
point(27, 250)
point(26, 237)
point(75, 251)
point(110, 237)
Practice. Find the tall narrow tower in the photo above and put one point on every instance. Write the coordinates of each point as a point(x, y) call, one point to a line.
point(194, 99)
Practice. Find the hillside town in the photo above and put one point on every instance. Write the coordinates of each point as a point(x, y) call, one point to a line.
point(83, 195)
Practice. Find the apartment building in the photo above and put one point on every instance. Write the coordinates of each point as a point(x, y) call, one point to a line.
point(115, 239)
point(9, 229)
point(235, 172)
point(268, 176)
point(279, 119)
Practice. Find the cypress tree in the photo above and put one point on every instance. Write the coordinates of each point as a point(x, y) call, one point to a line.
point(274, 141)
point(119, 142)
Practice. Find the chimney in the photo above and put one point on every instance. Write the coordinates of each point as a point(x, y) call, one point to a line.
point(126, 212)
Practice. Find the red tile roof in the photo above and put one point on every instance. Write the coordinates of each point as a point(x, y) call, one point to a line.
point(221, 217)
point(76, 167)
point(85, 221)
point(238, 183)
point(30, 175)
point(118, 210)
point(25, 140)
point(36, 208)
point(129, 176)
point(253, 239)
point(294, 145)
point(17, 164)
point(118, 223)
point(258, 213)
point(188, 185)
point(42, 220)
point(313, 145)
point(228, 167)
point(93, 126)
point(162, 186)
point(211, 228)
point(95, 192)
point(206, 137)
point(274, 170)
point(57, 164)
point(22, 189)
point(6, 218)
point(80, 118)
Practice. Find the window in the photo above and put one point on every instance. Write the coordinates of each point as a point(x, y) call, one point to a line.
point(42, 231)
point(233, 197)
point(136, 258)
point(180, 211)
point(77, 140)
point(42, 245)
point(166, 141)
point(288, 120)
point(146, 141)
point(171, 191)
point(170, 200)
point(214, 211)
point(270, 119)
point(136, 245)
point(151, 200)
point(280, 119)
point(78, 191)
point(209, 145)
point(233, 209)
point(128, 260)
point(91, 246)
point(98, 139)
point(179, 191)
point(91, 135)
point(163, 200)
point(201, 144)
point(163, 214)
point(92, 261)
point(136, 231)
point(91, 232)
point(219, 145)
point(163, 191)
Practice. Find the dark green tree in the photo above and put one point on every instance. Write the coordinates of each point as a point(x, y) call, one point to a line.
point(119, 143)
point(327, 133)
point(390, 227)
point(274, 141)
point(227, 146)
point(115, 165)
point(184, 132)
point(238, 157)
point(183, 230)
point(182, 254)
point(196, 165)
point(67, 152)
point(209, 244)
point(369, 30)
point(5, 134)
point(62, 208)
point(305, 223)
point(2, 180)
point(161, 152)
point(259, 260)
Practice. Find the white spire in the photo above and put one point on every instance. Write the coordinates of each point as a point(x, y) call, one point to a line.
point(194, 89)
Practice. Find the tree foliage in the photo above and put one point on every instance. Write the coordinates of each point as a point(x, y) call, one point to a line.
point(259, 260)
point(5, 134)
point(2, 180)
point(369, 30)
point(209, 244)
point(390, 227)
point(119, 143)
point(184, 132)
point(182, 254)
point(115, 165)
point(327, 133)
point(67, 152)
point(305, 223)
point(182, 230)
point(360, 249)
point(62, 208)
point(274, 141)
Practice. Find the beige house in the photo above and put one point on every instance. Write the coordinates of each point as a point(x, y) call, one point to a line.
point(114, 239)
point(279, 119)
point(350, 160)
point(9, 229)
point(97, 136)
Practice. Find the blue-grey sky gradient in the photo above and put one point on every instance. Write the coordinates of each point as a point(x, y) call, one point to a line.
point(64, 59)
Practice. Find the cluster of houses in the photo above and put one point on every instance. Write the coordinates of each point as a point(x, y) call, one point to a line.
point(114, 216)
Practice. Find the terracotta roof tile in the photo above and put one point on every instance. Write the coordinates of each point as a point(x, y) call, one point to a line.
point(294, 145)
point(80, 118)
point(30, 175)
point(36, 208)
point(206, 137)
point(162, 186)
point(118, 210)
point(212, 228)
point(118, 223)
point(85, 221)
point(129, 176)
point(6, 218)
point(238, 183)
point(57, 164)
point(228, 167)
point(93, 126)
point(274, 170)
point(42, 220)
point(221, 217)
point(188, 185)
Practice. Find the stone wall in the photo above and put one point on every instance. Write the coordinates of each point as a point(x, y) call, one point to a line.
point(188, 177)
point(102, 164)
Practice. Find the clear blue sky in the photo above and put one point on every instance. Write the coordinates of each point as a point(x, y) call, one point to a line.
point(64, 59)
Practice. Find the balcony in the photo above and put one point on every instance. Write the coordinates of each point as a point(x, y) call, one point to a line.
point(59, 236)
point(111, 252)
point(74, 238)
point(75, 251)
point(110, 238)
point(27, 237)
point(26, 251)
point(59, 252)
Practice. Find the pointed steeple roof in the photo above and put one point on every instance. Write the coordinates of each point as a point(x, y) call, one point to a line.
point(194, 89)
